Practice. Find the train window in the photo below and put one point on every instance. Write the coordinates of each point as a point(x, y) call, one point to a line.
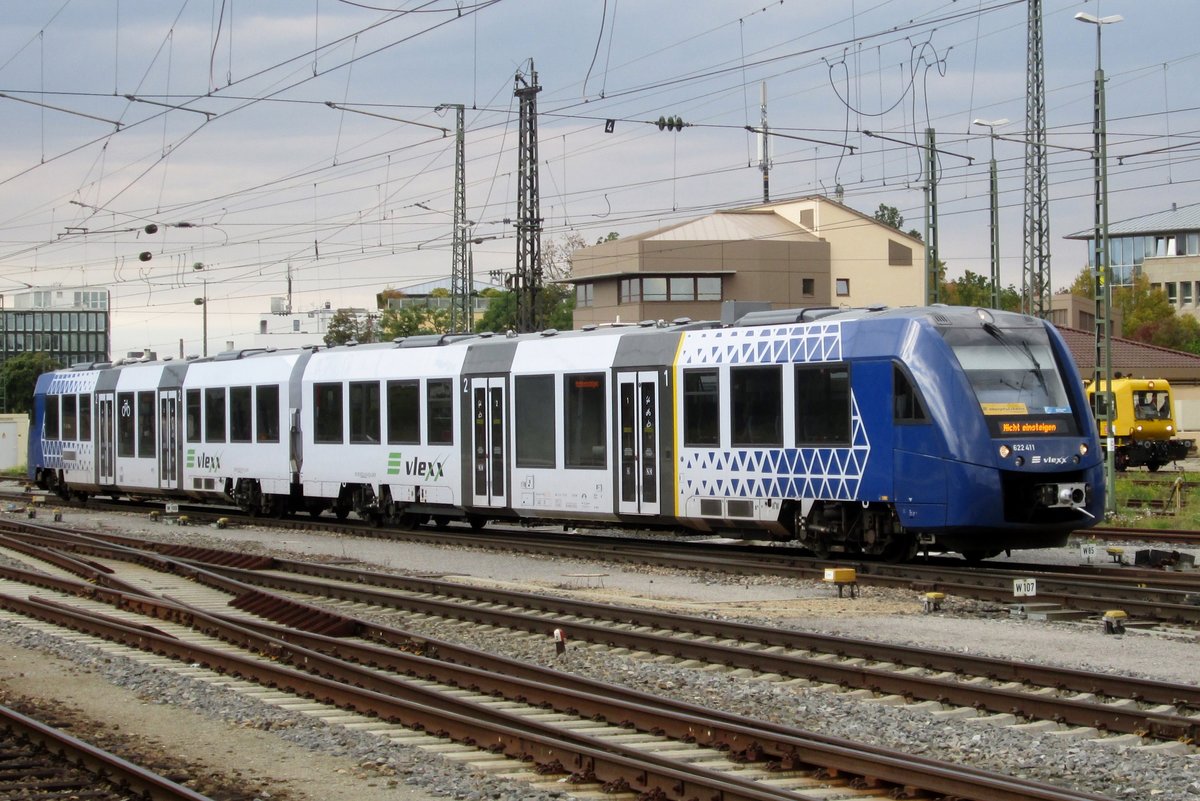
point(823, 404)
point(439, 405)
point(241, 424)
point(586, 420)
point(327, 413)
point(906, 404)
point(701, 408)
point(1010, 369)
point(125, 431)
point(535, 418)
point(404, 412)
point(146, 440)
point(364, 411)
point(756, 405)
point(51, 418)
point(85, 418)
point(70, 427)
point(193, 415)
point(266, 414)
point(214, 414)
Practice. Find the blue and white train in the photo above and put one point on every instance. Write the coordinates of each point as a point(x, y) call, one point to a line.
point(878, 431)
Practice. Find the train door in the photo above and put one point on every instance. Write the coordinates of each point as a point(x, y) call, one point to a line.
point(106, 424)
point(489, 457)
point(168, 439)
point(637, 428)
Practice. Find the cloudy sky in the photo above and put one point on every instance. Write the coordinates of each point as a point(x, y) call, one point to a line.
point(211, 119)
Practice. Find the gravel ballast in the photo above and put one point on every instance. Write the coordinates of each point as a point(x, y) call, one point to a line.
point(1114, 768)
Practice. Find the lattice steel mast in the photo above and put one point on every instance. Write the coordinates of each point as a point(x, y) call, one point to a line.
point(461, 280)
point(1035, 280)
point(528, 277)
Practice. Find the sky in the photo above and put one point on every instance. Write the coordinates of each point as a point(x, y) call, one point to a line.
point(299, 143)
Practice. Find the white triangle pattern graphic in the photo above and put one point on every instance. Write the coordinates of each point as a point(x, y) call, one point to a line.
point(826, 473)
point(812, 342)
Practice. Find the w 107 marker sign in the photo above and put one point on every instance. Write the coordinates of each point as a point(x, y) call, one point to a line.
point(1024, 587)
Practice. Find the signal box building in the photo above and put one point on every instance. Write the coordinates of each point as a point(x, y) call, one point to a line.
point(808, 251)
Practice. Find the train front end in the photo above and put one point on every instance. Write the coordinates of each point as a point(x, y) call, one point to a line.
point(1027, 464)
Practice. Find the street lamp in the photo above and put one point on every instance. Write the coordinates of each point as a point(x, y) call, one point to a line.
point(1103, 266)
point(202, 302)
point(991, 125)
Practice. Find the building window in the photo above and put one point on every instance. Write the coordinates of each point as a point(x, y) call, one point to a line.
point(534, 404)
point(843, 287)
point(654, 289)
point(1185, 293)
point(709, 288)
point(808, 287)
point(583, 295)
point(585, 425)
point(899, 255)
point(631, 290)
point(1172, 292)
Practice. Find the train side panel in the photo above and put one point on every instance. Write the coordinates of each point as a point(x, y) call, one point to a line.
point(235, 441)
point(379, 433)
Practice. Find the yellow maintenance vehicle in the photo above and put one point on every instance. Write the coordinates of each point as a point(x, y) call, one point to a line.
point(1144, 431)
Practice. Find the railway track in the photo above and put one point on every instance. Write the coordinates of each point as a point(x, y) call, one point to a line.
point(1146, 595)
point(632, 743)
point(1155, 710)
point(38, 761)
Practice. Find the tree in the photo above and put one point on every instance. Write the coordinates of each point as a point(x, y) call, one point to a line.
point(346, 325)
point(19, 375)
point(973, 289)
point(555, 302)
point(556, 256)
point(890, 215)
point(413, 320)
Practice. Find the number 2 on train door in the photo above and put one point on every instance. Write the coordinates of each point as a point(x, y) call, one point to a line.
point(638, 449)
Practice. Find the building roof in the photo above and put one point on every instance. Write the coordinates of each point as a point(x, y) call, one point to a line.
point(1170, 221)
point(427, 287)
point(728, 226)
point(1130, 358)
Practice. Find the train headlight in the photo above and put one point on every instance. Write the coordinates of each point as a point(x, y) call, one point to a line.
point(1005, 451)
point(1137, 428)
point(1170, 427)
point(1083, 449)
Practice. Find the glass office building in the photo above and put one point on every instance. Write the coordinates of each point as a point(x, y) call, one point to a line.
point(70, 324)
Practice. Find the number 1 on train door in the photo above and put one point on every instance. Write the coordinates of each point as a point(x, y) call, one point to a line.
point(637, 431)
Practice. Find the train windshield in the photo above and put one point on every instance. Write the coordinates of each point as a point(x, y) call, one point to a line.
point(1015, 378)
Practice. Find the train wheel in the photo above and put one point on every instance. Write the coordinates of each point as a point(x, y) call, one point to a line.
point(476, 521)
point(439, 521)
point(1153, 466)
point(341, 512)
point(977, 556)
